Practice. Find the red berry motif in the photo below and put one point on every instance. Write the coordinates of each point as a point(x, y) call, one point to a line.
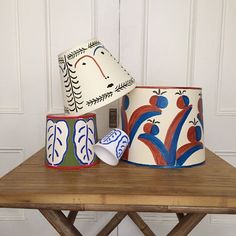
point(199, 105)
point(125, 102)
point(194, 132)
point(158, 100)
point(183, 100)
point(200, 111)
point(151, 127)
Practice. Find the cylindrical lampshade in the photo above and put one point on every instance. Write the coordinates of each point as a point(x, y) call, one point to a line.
point(165, 126)
point(70, 140)
point(91, 78)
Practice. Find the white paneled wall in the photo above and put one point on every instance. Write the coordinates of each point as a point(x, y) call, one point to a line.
point(227, 60)
point(171, 26)
point(133, 37)
point(10, 87)
point(160, 42)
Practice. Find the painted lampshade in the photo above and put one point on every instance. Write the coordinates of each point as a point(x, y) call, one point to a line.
point(165, 126)
point(91, 78)
point(70, 140)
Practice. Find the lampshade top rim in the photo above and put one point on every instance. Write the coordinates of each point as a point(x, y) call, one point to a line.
point(79, 45)
point(167, 87)
point(70, 116)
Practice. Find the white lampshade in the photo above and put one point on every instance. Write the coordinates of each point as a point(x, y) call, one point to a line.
point(165, 126)
point(91, 78)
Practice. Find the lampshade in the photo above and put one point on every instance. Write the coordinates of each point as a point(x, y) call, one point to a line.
point(165, 126)
point(70, 140)
point(91, 78)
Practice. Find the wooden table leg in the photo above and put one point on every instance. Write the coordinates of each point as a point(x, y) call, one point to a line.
point(112, 224)
point(141, 224)
point(60, 222)
point(186, 224)
point(71, 216)
point(180, 216)
point(115, 221)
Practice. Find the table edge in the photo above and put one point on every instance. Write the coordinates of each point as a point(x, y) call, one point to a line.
point(104, 200)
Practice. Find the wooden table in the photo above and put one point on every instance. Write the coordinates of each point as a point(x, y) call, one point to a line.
point(190, 193)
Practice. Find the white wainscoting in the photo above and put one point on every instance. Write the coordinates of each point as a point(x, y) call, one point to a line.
point(226, 92)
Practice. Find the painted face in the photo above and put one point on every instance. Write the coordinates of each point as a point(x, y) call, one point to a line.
point(92, 78)
point(89, 63)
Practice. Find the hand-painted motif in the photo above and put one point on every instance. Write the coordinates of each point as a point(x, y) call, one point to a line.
point(92, 59)
point(111, 137)
point(72, 88)
point(200, 111)
point(141, 114)
point(57, 141)
point(84, 139)
point(122, 144)
point(98, 99)
point(124, 85)
point(167, 152)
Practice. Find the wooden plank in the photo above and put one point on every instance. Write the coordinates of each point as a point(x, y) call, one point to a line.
point(112, 224)
point(60, 223)
point(68, 200)
point(208, 186)
point(124, 207)
point(186, 224)
point(141, 224)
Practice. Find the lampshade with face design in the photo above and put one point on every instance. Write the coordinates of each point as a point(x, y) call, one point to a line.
point(92, 78)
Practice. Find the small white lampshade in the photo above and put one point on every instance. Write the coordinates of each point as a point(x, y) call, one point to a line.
point(91, 78)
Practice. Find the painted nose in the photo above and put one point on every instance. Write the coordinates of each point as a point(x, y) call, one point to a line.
point(110, 85)
point(107, 77)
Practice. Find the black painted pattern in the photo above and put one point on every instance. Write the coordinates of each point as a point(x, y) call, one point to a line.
point(124, 85)
point(98, 99)
point(72, 88)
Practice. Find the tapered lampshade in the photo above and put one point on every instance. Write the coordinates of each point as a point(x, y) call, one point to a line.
point(91, 78)
point(165, 126)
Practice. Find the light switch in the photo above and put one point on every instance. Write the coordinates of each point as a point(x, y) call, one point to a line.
point(112, 118)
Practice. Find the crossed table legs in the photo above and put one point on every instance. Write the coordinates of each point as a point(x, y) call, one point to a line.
point(65, 225)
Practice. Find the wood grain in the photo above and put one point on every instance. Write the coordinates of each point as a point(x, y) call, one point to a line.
point(210, 186)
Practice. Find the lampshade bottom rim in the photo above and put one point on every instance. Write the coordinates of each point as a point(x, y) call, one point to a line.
point(72, 167)
point(164, 167)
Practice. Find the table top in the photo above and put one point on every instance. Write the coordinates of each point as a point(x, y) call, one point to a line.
point(126, 186)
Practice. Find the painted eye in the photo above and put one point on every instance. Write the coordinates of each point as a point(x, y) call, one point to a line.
point(102, 52)
point(83, 63)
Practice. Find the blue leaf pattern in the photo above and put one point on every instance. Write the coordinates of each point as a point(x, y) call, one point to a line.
point(57, 141)
point(84, 139)
point(122, 144)
point(111, 137)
